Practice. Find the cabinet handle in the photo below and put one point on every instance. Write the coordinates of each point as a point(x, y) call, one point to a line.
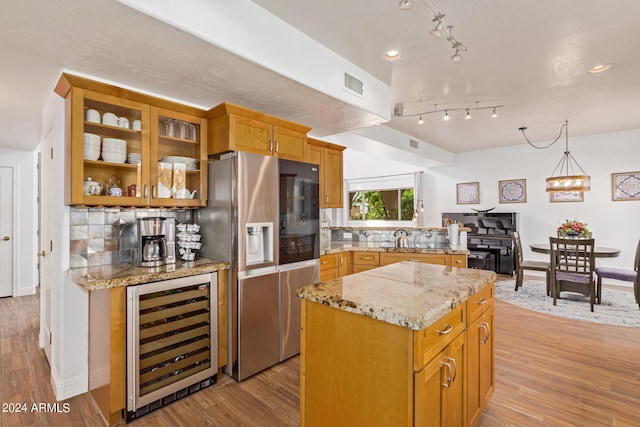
point(324, 262)
point(455, 369)
point(483, 301)
point(6, 238)
point(154, 192)
point(447, 329)
point(450, 376)
point(458, 261)
point(270, 146)
point(367, 258)
point(276, 147)
point(326, 199)
point(146, 191)
point(487, 333)
point(340, 261)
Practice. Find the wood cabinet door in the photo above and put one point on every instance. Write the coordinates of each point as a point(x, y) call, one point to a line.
point(480, 365)
point(333, 178)
point(250, 135)
point(289, 144)
point(440, 387)
point(345, 265)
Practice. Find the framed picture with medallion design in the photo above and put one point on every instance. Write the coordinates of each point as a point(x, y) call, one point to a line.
point(468, 193)
point(513, 191)
point(625, 186)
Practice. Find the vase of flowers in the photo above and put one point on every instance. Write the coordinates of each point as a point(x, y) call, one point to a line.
point(574, 229)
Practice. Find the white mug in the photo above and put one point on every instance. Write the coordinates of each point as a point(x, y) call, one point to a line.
point(109, 119)
point(123, 122)
point(92, 116)
point(136, 125)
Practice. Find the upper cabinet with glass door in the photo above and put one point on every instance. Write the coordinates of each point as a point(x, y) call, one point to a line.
point(121, 152)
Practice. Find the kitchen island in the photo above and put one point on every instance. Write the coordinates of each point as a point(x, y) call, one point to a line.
point(400, 345)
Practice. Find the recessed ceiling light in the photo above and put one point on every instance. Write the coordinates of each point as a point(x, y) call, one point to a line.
point(405, 4)
point(599, 68)
point(392, 55)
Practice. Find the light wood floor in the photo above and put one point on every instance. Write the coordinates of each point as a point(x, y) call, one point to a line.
point(549, 372)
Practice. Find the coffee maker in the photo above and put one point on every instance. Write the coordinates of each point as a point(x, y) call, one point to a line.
point(152, 246)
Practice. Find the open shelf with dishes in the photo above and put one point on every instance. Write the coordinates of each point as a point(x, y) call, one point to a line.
point(118, 156)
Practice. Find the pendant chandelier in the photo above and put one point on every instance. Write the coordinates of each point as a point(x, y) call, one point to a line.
point(568, 175)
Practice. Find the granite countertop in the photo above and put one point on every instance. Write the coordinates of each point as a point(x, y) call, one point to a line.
point(337, 247)
point(116, 275)
point(409, 294)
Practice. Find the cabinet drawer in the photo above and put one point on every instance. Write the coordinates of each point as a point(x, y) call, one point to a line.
point(459, 261)
point(330, 274)
point(366, 258)
point(479, 303)
point(430, 341)
point(328, 261)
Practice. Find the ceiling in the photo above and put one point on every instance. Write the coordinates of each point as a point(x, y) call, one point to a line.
point(530, 56)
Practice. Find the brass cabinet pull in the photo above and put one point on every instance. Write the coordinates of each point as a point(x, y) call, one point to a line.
point(458, 261)
point(146, 192)
point(42, 254)
point(448, 328)
point(324, 262)
point(455, 369)
point(486, 333)
point(340, 258)
point(367, 258)
point(276, 146)
point(270, 146)
point(6, 238)
point(154, 192)
point(450, 376)
point(326, 199)
point(483, 301)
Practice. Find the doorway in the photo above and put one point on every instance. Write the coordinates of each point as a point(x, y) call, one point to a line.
point(7, 245)
point(45, 230)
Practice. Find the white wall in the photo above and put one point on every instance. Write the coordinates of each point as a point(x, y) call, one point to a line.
point(614, 224)
point(25, 218)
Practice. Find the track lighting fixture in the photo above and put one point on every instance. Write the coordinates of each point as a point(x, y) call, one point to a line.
point(399, 112)
point(565, 176)
point(437, 31)
point(440, 29)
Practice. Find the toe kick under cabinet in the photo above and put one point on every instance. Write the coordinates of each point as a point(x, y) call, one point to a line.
point(164, 163)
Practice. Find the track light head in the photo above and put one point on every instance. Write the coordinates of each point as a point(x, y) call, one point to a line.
point(420, 121)
point(494, 114)
point(456, 57)
point(446, 117)
point(468, 115)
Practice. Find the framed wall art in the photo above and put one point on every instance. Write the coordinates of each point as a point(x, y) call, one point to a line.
point(625, 186)
point(566, 196)
point(513, 191)
point(468, 193)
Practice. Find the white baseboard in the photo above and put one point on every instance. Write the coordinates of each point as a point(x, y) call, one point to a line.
point(70, 387)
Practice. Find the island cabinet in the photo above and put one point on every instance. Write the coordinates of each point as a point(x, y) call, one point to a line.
point(481, 369)
point(329, 157)
point(234, 128)
point(345, 263)
point(453, 260)
point(159, 167)
point(363, 363)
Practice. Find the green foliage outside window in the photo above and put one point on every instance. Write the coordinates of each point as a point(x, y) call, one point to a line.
point(382, 205)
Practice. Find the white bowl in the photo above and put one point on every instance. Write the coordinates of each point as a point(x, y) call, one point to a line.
point(91, 138)
point(114, 150)
point(113, 158)
point(109, 119)
point(114, 142)
point(91, 155)
point(92, 151)
point(89, 144)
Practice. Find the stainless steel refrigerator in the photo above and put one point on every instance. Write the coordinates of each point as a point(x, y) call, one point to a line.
point(250, 215)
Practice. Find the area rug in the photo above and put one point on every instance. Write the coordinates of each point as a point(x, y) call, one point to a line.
point(618, 307)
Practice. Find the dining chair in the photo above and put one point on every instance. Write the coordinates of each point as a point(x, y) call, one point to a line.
point(522, 264)
point(625, 275)
point(572, 267)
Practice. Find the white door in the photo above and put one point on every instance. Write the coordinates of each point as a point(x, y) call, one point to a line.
point(6, 232)
point(45, 220)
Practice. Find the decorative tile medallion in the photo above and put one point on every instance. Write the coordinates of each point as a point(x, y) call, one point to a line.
point(513, 191)
point(468, 193)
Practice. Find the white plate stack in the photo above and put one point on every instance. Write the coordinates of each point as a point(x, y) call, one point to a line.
point(189, 162)
point(114, 150)
point(134, 158)
point(188, 240)
point(91, 146)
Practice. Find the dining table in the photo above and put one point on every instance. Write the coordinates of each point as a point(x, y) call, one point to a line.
point(598, 251)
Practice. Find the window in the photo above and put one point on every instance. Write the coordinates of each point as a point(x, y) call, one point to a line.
point(389, 205)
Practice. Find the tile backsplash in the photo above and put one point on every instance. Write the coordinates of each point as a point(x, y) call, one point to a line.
point(100, 236)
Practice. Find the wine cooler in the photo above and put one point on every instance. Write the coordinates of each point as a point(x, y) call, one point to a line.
point(171, 341)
